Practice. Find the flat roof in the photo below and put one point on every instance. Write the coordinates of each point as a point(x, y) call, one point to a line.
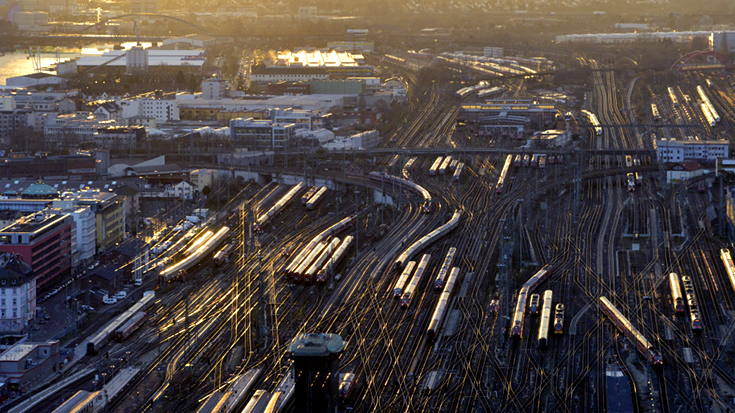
point(29, 224)
point(17, 352)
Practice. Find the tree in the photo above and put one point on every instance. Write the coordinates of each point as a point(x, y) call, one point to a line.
point(206, 190)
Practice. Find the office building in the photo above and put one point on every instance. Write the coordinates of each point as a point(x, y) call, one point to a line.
point(258, 135)
point(17, 294)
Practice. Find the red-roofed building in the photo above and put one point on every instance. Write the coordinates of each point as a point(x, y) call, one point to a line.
point(683, 171)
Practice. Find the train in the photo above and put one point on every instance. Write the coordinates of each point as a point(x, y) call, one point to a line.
point(729, 266)
point(405, 275)
point(332, 230)
point(415, 280)
point(428, 239)
point(305, 264)
point(638, 179)
point(503, 175)
point(307, 196)
point(708, 115)
point(426, 207)
point(435, 166)
point(458, 171)
point(631, 181)
point(641, 343)
point(444, 269)
point(519, 314)
point(594, 123)
point(542, 161)
point(130, 326)
point(654, 111)
point(443, 305)
point(706, 102)
point(691, 296)
point(311, 273)
point(230, 400)
point(318, 196)
point(223, 255)
point(282, 203)
point(628, 161)
point(533, 304)
point(517, 161)
point(543, 329)
point(198, 242)
point(677, 300)
point(168, 273)
point(526, 160)
point(672, 96)
point(335, 259)
point(346, 385)
point(101, 337)
point(559, 319)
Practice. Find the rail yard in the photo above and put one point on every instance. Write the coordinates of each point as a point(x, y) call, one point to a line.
point(508, 280)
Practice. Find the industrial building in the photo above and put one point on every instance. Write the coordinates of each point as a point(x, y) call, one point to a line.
point(147, 60)
point(505, 117)
point(618, 38)
point(259, 135)
point(25, 362)
point(723, 42)
point(303, 65)
point(672, 150)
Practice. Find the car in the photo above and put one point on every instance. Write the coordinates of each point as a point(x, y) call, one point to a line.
point(120, 295)
point(46, 317)
point(42, 321)
point(110, 300)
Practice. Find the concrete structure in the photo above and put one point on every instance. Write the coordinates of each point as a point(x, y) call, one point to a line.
point(214, 88)
point(140, 120)
point(303, 119)
point(338, 87)
point(303, 65)
point(314, 138)
point(552, 138)
point(84, 240)
point(42, 241)
point(158, 61)
point(682, 172)
point(119, 137)
point(27, 362)
point(694, 149)
point(618, 38)
point(262, 134)
point(363, 140)
point(352, 46)
point(14, 122)
point(70, 129)
point(256, 108)
point(723, 42)
point(17, 294)
point(316, 369)
point(109, 216)
point(35, 79)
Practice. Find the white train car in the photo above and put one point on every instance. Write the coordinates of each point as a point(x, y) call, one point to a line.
point(677, 299)
point(458, 171)
point(282, 203)
point(435, 166)
point(307, 196)
point(101, 337)
point(443, 305)
point(321, 193)
point(445, 165)
point(632, 333)
point(672, 96)
point(300, 271)
point(519, 314)
point(415, 280)
point(503, 174)
point(708, 103)
point(310, 275)
point(691, 296)
point(444, 269)
point(428, 239)
point(729, 266)
point(405, 275)
point(426, 207)
point(198, 242)
point(333, 230)
point(543, 329)
point(187, 263)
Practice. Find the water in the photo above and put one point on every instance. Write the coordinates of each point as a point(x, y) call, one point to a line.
point(18, 63)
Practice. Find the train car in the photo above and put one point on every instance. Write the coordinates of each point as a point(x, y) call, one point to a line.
point(106, 333)
point(631, 181)
point(445, 165)
point(402, 182)
point(435, 166)
point(444, 269)
point(518, 319)
point(130, 326)
point(282, 203)
point(517, 161)
point(347, 383)
point(534, 161)
point(628, 161)
point(307, 196)
point(706, 102)
point(258, 402)
point(331, 231)
point(82, 401)
point(533, 304)
point(691, 296)
point(701, 188)
point(638, 179)
point(639, 340)
point(677, 300)
point(672, 96)
point(503, 175)
point(708, 115)
point(443, 305)
point(552, 160)
point(415, 280)
point(321, 193)
point(334, 260)
point(526, 160)
point(729, 266)
point(427, 240)
point(169, 273)
point(311, 274)
point(198, 242)
point(542, 161)
point(543, 329)
point(223, 255)
point(453, 164)
point(458, 171)
point(559, 319)
point(654, 111)
point(405, 275)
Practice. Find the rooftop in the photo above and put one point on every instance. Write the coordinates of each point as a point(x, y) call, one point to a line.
point(17, 352)
point(36, 223)
point(316, 345)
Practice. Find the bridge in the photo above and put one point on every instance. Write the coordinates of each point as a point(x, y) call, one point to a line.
point(683, 63)
point(122, 16)
point(482, 151)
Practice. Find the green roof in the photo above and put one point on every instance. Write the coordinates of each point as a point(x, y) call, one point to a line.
point(40, 190)
point(316, 345)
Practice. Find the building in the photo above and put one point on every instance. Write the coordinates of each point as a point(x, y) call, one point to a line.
point(695, 149)
point(27, 362)
point(162, 106)
point(259, 135)
point(110, 277)
point(136, 60)
point(352, 46)
point(109, 214)
point(214, 88)
point(158, 61)
point(189, 42)
point(143, 6)
point(105, 110)
point(14, 122)
point(49, 167)
point(364, 140)
point(140, 120)
point(510, 117)
point(316, 371)
point(43, 241)
point(263, 74)
point(289, 88)
point(201, 178)
point(723, 42)
point(17, 294)
point(683, 171)
point(303, 65)
point(70, 129)
point(307, 13)
point(35, 79)
point(620, 38)
point(84, 239)
point(302, 119)
point(9, 216)
point(338, 87)
point(119, 136)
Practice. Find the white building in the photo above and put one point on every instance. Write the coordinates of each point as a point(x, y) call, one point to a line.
point(136, 60)
point(83, 233)
point(618, 38)
point(183, 190)
point(163, 108)
point(722, 42)
point(214, 88)
point(680, 151)
point(362, 140)
point(202, 177)
point(683, 171)
point(17, 294)
point(75, 126)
